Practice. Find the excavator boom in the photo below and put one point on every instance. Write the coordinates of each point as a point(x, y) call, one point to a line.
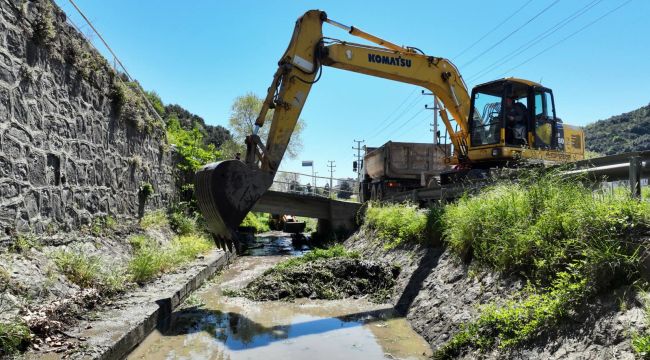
point(228, 190)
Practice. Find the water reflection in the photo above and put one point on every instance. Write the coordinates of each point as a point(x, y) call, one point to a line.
point(238, 332)
point(276, 244)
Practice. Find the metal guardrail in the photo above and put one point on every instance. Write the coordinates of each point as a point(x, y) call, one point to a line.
point(632, 166)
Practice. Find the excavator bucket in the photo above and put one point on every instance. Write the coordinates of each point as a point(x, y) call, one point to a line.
point(226, 191)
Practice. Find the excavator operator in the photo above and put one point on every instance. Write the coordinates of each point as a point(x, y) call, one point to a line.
point(515, 112)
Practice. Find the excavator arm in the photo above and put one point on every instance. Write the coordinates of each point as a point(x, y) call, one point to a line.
point(300, 67)
point(228, 190)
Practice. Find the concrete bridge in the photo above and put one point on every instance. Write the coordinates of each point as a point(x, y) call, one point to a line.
point(332, 214)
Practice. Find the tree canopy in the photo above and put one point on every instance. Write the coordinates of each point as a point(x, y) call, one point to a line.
point(244, 112)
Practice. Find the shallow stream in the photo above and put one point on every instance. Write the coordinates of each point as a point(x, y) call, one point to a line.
point(213, 326)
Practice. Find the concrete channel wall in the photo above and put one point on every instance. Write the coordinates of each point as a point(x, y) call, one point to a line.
point(66, 156)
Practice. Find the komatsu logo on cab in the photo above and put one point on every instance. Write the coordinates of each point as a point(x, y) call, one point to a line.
point(389, 60)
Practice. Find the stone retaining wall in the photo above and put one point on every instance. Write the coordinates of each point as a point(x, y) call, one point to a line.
point(67, 153)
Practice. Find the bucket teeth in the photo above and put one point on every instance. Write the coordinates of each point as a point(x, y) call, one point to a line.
point(226, 191)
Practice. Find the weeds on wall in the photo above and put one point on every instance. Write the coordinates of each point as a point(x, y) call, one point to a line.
point(44, 31)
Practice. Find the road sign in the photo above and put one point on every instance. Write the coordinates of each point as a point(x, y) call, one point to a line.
point(307, 163)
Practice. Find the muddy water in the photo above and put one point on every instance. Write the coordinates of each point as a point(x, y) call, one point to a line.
point(214, 326)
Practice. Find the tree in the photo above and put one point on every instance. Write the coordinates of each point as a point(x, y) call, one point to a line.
point(216, 135)
point(345, 190)
point(244, 112)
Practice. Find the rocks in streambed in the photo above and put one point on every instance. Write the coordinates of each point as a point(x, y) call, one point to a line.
point(333, 278)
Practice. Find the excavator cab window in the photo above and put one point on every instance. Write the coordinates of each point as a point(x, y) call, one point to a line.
point(485, 122)
point(545, 121)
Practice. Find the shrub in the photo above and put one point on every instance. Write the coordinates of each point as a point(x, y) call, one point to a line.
point(147, 262)
point(187, 247)
point(258, 221)
point(397, 223)
point(23, 242)
point(151, 259)
point(189, 145)
point(181, 223)
point(14, 337)
point(102, 224)
point(154, 220)
point(146, 190)
point(88, 271)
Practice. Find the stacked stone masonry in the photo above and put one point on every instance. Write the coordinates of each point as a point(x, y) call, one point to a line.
point(66, 157)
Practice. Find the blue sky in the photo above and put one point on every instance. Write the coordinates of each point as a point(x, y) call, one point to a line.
point(203, 54)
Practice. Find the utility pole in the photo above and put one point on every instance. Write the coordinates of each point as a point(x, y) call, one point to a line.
point(358, 148)
point(435, 108)
point(331, 166)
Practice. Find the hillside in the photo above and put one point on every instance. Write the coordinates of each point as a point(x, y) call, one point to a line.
point(621, 133)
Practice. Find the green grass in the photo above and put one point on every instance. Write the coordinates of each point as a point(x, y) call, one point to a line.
point(182, 224)
point(150, 259)
point(396, 224)
point(518, 319)
point(311, 224)
point(14, 337)
point(541, 226)
point(569, 241)
point(258, 221)
point(641, 342)
point(336, 251)
point(89, 271)
point(154, 220)
point(102, 225)
point(23, 242)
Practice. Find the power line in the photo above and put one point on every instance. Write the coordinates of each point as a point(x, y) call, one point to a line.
point(409, 120)
point(397, 108)
point(511, 33)
point(567, 37)
point(406, 109)
point(408, 130)
point(528, 44)
point(410, 106)
point(493, 29)
point(151, 108)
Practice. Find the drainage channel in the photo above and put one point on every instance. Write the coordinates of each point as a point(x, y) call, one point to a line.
point(214, 326)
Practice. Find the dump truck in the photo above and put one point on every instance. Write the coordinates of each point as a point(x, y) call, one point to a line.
point(401, 166)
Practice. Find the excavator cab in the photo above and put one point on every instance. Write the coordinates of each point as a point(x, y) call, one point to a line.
point(508, 116)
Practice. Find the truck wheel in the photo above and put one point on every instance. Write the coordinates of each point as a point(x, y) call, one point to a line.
point(380, 192)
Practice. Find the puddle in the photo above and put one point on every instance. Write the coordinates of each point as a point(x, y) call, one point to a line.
point(221, 327)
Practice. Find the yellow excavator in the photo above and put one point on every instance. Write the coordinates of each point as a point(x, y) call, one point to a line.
point(501, 123)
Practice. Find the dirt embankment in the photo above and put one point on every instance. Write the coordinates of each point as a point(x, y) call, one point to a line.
point(334, 278)
point(438, 293)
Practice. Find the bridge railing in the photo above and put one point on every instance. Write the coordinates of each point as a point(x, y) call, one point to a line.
point(306, 184)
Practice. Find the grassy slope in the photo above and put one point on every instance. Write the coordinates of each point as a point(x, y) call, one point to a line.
point(570, 242)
